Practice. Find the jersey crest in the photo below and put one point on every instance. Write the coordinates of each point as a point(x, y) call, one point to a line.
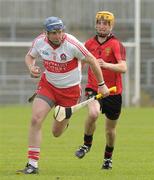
point(63, 57)
point(107, 51)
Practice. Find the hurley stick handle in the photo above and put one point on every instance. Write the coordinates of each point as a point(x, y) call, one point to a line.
point(112, 89)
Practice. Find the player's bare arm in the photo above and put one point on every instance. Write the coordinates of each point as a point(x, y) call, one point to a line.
point(102, 88)
point(34, 70)
point(120, 67)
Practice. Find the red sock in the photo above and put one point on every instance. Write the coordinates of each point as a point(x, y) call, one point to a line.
point(108, 152)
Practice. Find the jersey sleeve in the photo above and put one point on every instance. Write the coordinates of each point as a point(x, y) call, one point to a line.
point(82, 51)
point(119, 51)
point(34, 49)
point(79, 50)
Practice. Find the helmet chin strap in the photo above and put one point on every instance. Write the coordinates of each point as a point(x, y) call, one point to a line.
point(103, 35)
point(54, 43)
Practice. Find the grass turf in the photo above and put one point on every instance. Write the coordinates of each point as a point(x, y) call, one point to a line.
point(133, 158)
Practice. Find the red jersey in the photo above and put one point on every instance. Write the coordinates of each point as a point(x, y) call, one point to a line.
point(111, 51)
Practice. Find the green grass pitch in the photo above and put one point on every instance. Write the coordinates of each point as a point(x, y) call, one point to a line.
point(133, 158)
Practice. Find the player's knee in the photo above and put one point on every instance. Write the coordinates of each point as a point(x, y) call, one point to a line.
point(94, 115)
point(56, 133)
point(36, 120)
point(110, 132)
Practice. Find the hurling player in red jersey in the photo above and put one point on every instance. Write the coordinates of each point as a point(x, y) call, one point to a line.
point(61, 54)
point(111, 55)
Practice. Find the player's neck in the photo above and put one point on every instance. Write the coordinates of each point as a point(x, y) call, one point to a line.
point(101, 39)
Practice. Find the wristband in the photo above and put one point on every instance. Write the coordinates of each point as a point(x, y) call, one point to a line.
point(101, 84)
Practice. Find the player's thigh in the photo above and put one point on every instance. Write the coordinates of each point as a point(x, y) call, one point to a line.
point(40, 108)
point(94, 108)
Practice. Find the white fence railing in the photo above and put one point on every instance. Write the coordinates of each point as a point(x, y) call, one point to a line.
point(17, 88)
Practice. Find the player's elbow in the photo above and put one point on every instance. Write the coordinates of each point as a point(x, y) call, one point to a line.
point(124, 70)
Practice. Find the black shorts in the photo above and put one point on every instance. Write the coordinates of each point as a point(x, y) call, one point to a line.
point(110, 106)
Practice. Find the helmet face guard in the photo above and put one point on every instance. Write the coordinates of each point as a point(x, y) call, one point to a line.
point(53, 23)
point(105, 15)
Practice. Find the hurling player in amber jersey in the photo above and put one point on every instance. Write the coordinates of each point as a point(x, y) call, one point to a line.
point(111, 55)
point(61, 55)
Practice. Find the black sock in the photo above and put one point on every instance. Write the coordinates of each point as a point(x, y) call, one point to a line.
point(88, 140)
point(108, 152)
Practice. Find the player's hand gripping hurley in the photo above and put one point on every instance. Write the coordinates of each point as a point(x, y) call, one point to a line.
point(61, 113)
